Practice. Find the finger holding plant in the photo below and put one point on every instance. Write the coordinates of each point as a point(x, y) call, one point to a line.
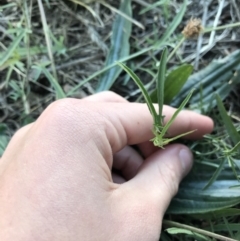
point(159, 129)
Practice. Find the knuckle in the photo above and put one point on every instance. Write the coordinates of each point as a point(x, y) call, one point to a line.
point(71, 116)
point(60, 111)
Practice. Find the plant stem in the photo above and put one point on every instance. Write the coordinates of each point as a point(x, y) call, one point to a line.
point(176, 48)
point(231, 25)
point(197, 230)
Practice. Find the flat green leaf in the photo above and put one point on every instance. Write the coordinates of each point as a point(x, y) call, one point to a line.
point(227, 121)
point(175, 81)
point(192, 198)
point(121, 31)
point(160, 84)
point(178, 231)
point(142, 88)
point(185, 231)
point(9, 52)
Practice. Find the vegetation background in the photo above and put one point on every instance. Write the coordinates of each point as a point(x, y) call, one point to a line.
point(51, 49)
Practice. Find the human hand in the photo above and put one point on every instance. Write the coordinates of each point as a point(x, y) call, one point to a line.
point(55, 175)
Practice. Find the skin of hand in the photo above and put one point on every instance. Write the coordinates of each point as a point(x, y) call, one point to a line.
point(56, 179)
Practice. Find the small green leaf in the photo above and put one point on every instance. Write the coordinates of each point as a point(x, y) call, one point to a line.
point(121, 31)
point(142, 88)
point(227, 121)
point(178, 231)
point(160, 84)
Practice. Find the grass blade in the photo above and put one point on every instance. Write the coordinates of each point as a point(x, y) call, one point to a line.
point(12, 48)
point(165, 128)
point(142, 88)
point(119, 46)
point(227, 121)
point(160, 84)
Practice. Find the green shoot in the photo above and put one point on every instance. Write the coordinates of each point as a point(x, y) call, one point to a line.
point(159, 130)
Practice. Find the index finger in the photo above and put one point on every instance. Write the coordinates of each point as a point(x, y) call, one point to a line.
point(132, 123)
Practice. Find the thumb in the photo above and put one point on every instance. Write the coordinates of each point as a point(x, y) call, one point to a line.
point(159, 177)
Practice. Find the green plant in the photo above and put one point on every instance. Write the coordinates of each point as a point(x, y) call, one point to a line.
point(159, 129)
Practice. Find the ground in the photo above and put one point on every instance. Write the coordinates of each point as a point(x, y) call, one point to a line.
point(69, 41)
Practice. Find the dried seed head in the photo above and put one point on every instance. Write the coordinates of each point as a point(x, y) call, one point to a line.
point(193, 28)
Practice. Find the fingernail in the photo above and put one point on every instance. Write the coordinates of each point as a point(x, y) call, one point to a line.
point(186, 160)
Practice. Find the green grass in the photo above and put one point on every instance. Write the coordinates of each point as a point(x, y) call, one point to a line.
point(51, 50)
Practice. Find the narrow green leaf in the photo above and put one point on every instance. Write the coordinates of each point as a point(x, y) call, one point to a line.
point(178, 231)
point(227, 121)
point(215, 174)
point(175, 81)
point(166, 127)
point(160, 84)
point(179, 136)
point(196, 235)
point(120, 47)
point(142, 88)
point(9, 52)
point(233, 150)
